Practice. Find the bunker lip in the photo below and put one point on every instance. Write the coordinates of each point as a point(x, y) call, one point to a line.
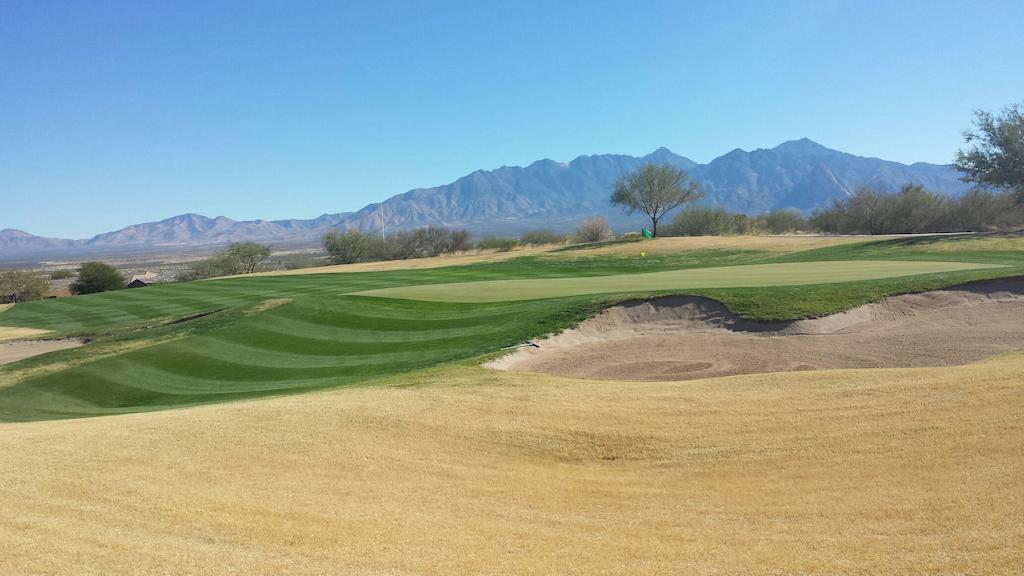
point(16, 350)
point(685, 338)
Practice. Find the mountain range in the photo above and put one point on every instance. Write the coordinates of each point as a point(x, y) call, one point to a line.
point(798, 174)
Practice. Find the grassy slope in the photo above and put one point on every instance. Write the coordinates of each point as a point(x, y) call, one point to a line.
point(458, 470)
point(325, 337)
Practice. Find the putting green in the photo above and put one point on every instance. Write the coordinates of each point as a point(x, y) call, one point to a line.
point(755, 275)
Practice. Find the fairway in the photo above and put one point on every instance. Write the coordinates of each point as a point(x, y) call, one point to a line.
point(757, 275)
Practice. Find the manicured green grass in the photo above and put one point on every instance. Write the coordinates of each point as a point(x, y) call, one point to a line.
point(748, 276)
point(316, 343)
point(327, 336)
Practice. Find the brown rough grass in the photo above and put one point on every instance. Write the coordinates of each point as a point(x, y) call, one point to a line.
point(5, 307)
point(898, 471)
point(674, 245)
point(413, 263)
point(14, 333)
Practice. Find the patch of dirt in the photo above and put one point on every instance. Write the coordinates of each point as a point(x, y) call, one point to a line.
point(14, 351)
point(270, 304)
point(684, 338)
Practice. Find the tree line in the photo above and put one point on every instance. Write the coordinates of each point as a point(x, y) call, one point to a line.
point(237, 258)
point(910, 210)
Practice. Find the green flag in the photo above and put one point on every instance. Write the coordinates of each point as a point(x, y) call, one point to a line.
point(646, 233)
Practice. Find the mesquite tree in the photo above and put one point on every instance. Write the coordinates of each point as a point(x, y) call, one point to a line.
point(654, 190)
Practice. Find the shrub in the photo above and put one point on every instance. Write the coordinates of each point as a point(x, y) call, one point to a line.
point(22, 286)
point(346, 247)
point(783, 222)
point(540, 237)
point(96, 277)
point(237, 258)
point(703, 221)
point(244, 257)
point(593, 230)
point(915, 210)
point(496, 243)
point(62, 274)
point(438, 240)
point(212, 267)
point(981, 210)
point(355, 246)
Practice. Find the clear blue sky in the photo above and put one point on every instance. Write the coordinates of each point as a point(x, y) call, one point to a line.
point(113, 113)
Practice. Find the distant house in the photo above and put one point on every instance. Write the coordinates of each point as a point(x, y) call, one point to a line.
point(136, 283)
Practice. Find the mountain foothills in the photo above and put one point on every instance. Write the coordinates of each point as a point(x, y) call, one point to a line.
point(799, 174)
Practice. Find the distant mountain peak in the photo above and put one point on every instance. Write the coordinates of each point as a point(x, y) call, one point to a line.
point(802, 147)
point(665, 156)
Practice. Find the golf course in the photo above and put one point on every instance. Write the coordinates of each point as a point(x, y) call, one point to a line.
point(199, 342)
point(354, 403)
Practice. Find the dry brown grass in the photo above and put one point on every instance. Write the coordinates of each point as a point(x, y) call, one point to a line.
point(675, 245)
point(902, 471)
point(414, 263)
point(270, 304)
point(5, 307)
point(14, 333)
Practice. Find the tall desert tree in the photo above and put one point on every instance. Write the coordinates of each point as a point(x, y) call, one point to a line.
point(346, 247)
point(246, 256)
point(654, 190)
point(22, 286)
point(996, 158)
point(97, 277)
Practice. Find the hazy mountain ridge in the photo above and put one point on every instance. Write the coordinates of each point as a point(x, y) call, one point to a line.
point(798, 174)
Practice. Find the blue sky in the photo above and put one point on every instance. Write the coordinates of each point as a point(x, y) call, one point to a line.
point(113, 113)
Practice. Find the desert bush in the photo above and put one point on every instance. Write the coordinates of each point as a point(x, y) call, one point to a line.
point(438, 240)
point(237, 258)
point(211, 267)
point(703, 221)
point(982, 210)
point(346, 247)
point(96, 277)
point(915, 210)
point(782, 222)
point(22, 286)
point(540, 237)
point(496, 243)
point(354, 246)
point(300, 261)
point(244, 257)
point(62, 274)
point(593, 230)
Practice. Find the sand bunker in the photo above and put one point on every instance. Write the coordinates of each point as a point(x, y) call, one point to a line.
point(14, 351)
point(684, 338)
